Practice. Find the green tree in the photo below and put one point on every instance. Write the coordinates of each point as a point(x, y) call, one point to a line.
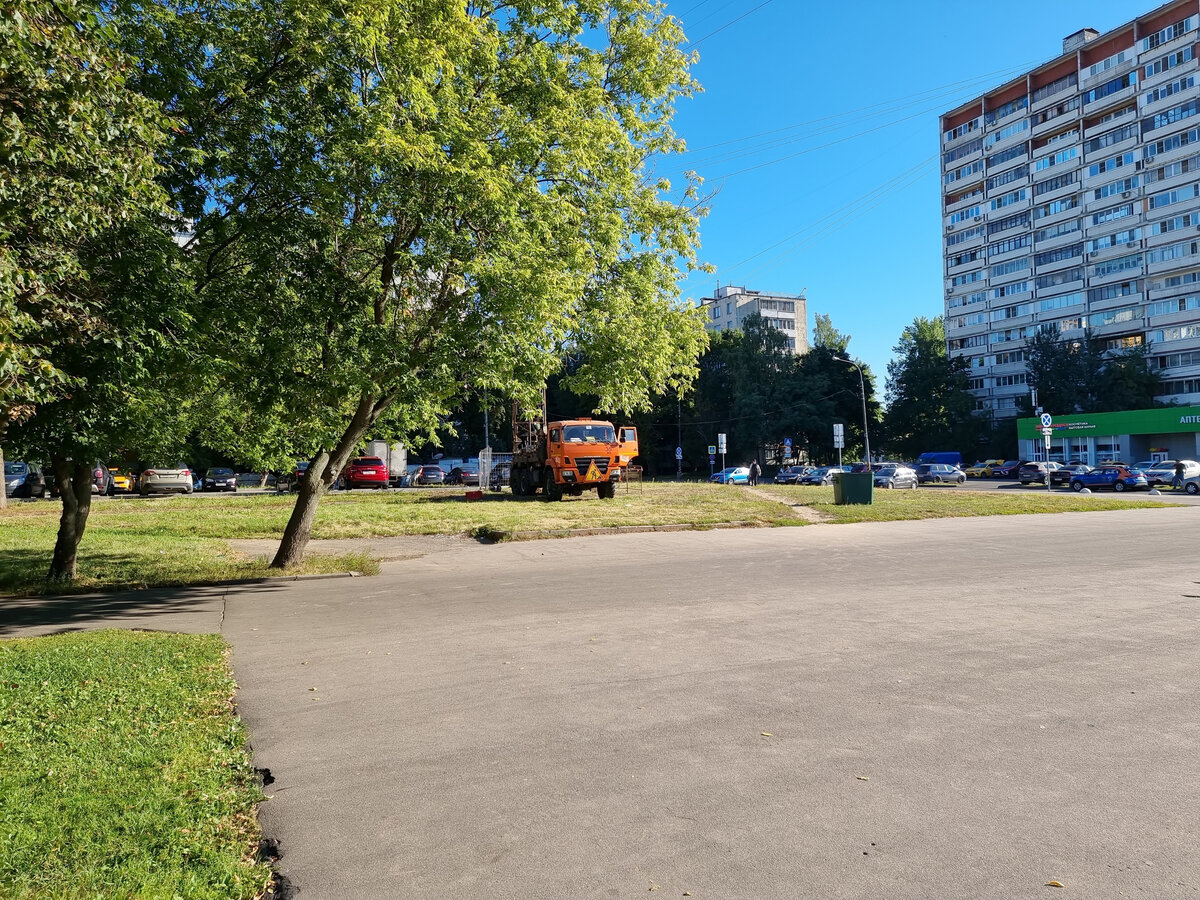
point(77, 197)
point(397, 203)
point(1082, 375)
point(825, 335)
point(928, 404)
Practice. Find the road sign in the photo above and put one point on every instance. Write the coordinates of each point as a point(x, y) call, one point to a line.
point(720, 443)
point(839, 435)
point(1047, 420)
point(712, 449)
point(679, 453)
point(712, 458)
point(787, 442)
point(1047, 431)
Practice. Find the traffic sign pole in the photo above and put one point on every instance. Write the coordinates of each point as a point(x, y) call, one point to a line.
point(1047, 421)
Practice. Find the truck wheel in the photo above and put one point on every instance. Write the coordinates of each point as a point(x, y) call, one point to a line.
point(552, 488)
point(607, 491)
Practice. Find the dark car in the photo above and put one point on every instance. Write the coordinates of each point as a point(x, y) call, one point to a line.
point(1063, 475)
point(22, 479)
point(366, 471)
point(792, 474)
point(1036, 472)
point(499, 476)
point(219, 480)
point(102, 479)
point(291, 481)
point(464, 476)
point(940, 473)
point(1009, 469)
point(1118, 478)
point(430, 475)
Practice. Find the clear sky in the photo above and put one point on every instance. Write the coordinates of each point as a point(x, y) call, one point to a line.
point(818, 131)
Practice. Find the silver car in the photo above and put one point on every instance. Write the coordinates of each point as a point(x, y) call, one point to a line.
point(176, 479)
point(896, 477)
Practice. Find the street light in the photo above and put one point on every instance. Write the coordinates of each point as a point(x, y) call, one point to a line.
point(862, 385)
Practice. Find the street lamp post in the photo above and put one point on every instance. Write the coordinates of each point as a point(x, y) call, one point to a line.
point(862, 386)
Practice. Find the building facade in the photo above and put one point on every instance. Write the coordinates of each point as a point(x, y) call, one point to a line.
point(1071, 198)
point(730, 306)
point(1133, 437)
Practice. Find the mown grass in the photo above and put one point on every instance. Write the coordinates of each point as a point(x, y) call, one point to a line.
point(123, 770)
point(941, 503)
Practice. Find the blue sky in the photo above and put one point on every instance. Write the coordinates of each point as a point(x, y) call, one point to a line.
point(853, 221)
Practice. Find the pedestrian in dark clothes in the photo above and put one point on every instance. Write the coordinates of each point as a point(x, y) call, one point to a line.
point(1180, 471)
point(755, 471)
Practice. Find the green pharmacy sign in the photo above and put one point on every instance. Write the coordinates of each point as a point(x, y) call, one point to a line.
point(1171, 420)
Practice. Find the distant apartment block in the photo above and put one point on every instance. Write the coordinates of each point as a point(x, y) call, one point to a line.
point(1071, 198)
point(730, 306)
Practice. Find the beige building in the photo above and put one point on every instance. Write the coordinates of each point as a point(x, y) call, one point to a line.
point(730, 307)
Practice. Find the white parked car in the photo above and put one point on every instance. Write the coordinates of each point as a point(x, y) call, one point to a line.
point(1164, 472)
point(176, 479)
point(896, 477)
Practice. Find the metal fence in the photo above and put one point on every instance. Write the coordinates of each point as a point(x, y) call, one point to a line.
point(494, 469)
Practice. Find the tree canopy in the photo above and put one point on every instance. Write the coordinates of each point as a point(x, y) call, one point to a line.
point(1082, 375)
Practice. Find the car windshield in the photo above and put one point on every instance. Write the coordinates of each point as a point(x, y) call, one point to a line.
point(588, 434)
point(217, 473)
point(301, 466)
point(13, 469)
point(887, 470)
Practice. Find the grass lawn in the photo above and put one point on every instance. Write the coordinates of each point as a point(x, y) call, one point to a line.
point(941, 503)
point(135, 542)
point(123, 770)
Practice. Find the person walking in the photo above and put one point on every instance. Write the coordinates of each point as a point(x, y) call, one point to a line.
point(1177, 481)
point(755, 471)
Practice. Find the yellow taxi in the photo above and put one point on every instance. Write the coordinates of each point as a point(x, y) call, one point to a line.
point(983, 469)
point(122, 481)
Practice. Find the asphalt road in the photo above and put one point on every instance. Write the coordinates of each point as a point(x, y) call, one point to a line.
point(954, 708)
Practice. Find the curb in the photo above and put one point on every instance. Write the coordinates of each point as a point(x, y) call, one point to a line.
point(499, 536)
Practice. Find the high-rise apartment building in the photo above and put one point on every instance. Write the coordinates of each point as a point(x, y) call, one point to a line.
point(1071, 198)
point(730, 306)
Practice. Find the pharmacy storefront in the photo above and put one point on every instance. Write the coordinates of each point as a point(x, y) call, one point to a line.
point(1137, 436)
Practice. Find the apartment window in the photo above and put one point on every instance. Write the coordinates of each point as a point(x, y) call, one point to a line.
point(1006, 132)
point(1060, 302)
point(1012, 312)
point(1055, 159)
point(1063, 277)
point(728, 309)
point(1173, 170)
point(967, 300)
point(1010, 290)
point(1012, 356)
point(975, 340)
point(1111, 63)
point(964, 129)
point(1115, 316)
point(1178, 333)
point(1118, 264)
point(1008, 246)
point(1112, 213)
point(975, 384)
point(1178, 360)
point(1010, 380)
point(1073, 323)
point(1124, 133)
point(966, 278)
point(967, 234)
point(1181, 386)
point(963, 214)
point(1003, 112)
point(964, 151)
point(1188, 220)
point(966, 257)
point(1056, 230)
point(1007, 177)
point(1168, 62)
point(1172, 142)
point(965, 172)
point(1177, 86)
point(1166, 198)
point(1061, 84)
point(1112, 291)
point(1114, 240)
point(1011, 267)
point(968, 321)
point(1175, 305)
point(1110, 87)
point(1010, 334)
point(1053, 184)
point(1055, 207)
point(1172, 251)
point(999, 159)
point(1058, 254)
point(1179, 29)
point(1171, 116)
point(1010, 198)
point(1018, 220)
point(1050, 113)
point(1120, 186)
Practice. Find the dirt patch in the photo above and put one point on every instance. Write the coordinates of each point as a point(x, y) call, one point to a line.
point(384, 549)
point(807, 513)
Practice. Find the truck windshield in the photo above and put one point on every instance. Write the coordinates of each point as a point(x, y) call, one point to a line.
point(588, 434)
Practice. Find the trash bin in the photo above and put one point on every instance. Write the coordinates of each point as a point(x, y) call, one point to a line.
point(850, 487)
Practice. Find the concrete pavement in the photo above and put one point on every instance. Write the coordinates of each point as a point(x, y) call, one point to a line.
point(967, 708)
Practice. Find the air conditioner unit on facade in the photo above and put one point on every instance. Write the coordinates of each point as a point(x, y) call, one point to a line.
point(1127, 194)
point(979, 218)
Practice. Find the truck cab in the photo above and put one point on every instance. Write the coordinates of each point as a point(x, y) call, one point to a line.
point(573, 455)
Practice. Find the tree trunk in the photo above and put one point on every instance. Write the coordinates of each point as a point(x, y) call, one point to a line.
point(75, 487)
point(321, 474)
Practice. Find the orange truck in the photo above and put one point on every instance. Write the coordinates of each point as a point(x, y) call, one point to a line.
point(570, 457)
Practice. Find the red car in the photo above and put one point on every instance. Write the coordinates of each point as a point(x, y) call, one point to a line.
point(366, 471)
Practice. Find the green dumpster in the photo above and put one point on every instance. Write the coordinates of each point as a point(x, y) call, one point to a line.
point(849, 487)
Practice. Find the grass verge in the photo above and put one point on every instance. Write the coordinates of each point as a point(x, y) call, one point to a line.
point(123, 770)
point(943, 503)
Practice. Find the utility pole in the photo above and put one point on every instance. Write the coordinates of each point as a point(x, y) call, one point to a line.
point(679, 438)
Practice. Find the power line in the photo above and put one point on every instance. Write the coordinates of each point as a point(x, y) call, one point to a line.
point(697, 43)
